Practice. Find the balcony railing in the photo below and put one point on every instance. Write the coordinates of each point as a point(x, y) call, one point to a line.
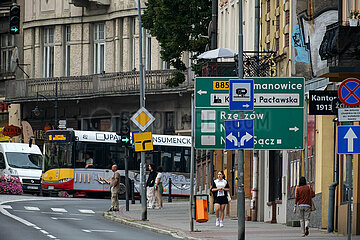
point(74, 87)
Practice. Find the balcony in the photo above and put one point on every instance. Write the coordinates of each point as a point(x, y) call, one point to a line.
point(92, 86)
point(261, 64)
point(341, 48)
point(90, 3)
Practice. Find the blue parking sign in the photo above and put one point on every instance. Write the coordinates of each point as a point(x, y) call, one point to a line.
point(348, 140)
point(239, 134)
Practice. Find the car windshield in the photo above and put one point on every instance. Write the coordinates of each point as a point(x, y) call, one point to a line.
point(24, 160)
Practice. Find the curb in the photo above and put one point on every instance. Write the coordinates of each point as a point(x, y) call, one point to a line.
point(139, 224)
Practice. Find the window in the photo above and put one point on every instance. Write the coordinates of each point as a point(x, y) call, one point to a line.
point(67, 50)
point(99, 48)
point(165, 65)
point(2, 161)
point(7, 45)
point(49, 52)
point(133, 43)
point(169, 121)
point(148, 50)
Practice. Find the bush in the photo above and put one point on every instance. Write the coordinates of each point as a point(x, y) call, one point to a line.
point(10, 185)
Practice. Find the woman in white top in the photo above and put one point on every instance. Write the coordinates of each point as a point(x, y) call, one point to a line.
point(159, 188)
point(220, 188)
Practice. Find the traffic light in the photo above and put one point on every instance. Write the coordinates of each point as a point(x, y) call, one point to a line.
point(15, 19)
point(124, 130)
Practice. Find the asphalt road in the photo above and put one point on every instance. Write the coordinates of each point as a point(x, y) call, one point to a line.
point(65, 219)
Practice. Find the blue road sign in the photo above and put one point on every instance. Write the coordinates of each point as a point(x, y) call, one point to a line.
point(348, 140)
point(349, 92)
point(239, 134)
point(241, 93)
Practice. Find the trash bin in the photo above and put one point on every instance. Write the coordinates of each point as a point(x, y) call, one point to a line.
point(202, 214)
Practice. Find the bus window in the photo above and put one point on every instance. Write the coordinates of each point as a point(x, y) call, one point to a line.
point(58, 155)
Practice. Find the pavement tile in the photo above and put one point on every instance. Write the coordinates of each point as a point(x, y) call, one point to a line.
point(174, 220)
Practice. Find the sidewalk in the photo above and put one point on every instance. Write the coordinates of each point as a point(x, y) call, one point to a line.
point(174, 220)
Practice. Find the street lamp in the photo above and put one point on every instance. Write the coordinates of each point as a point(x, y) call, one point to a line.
point(36, 111)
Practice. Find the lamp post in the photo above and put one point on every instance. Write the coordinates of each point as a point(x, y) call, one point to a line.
point(36, 111)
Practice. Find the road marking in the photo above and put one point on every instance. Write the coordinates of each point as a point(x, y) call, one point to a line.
point(6, 206)
point(44, 232)
point(86, 211)
point(23, 221)
point(59, 210)
point(81, 214)
point(36, 227)
point(105, 231)
point(51, 236)
point(53, 213)
point(76, 219)
point(32, 208)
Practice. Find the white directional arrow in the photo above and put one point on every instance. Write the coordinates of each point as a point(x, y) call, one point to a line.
point(232, 138)
point(295, 129)
point(246, 138)
point(350, 135)
point(200, 92)
point(246, 105)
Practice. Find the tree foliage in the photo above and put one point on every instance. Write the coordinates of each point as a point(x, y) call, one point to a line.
point(179, 26)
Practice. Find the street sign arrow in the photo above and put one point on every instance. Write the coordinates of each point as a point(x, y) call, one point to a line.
point(246, 105)
point(350, 135)
point(246, 138)
point(200, 92)
point(295, 129)
point(232, 138)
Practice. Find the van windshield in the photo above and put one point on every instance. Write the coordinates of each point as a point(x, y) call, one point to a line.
point(24, 160)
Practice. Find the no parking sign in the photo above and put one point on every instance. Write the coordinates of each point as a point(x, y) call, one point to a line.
point(349, 92)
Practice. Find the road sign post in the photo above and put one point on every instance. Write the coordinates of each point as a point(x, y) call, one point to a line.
point(241, 95)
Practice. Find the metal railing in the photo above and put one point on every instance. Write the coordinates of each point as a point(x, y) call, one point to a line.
point(123, 83)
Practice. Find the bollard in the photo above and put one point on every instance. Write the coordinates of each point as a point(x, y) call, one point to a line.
point(169, 196)
point(132, 192)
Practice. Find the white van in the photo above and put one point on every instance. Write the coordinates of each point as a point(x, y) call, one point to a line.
point(18, 159)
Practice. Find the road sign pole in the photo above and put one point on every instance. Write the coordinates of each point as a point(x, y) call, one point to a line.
point(192, 165)
point(349, 158)
point(142, 104)
point(241, 195)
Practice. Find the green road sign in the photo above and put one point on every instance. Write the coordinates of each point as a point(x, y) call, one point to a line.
point(278, 114)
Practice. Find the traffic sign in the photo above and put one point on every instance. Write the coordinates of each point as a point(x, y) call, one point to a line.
point(143, 142)
point(349, 92)
point(274, 129)
point(142, 118)
point(239, 134)
point(278, 114)
point(348, 140)
point(241, 94)
point(349, 114)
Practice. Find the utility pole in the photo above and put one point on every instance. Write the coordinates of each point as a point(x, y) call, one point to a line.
point(241, 193)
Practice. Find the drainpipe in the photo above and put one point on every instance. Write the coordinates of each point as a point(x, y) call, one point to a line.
point(332, 187)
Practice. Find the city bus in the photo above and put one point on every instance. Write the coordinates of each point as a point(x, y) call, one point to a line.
point(66, 153)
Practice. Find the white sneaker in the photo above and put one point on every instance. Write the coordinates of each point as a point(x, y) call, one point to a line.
point(221, 224)
point(217, 222)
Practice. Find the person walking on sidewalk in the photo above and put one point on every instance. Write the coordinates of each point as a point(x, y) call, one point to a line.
point(303, 195)
point(115, 186)
point(150, 191)
point(159, 188)
point(220, 188)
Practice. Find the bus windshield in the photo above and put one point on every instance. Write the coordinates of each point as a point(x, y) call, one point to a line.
point(24, 160)
point(58, 155)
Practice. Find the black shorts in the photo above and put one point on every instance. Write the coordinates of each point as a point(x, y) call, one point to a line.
point(221, 200)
